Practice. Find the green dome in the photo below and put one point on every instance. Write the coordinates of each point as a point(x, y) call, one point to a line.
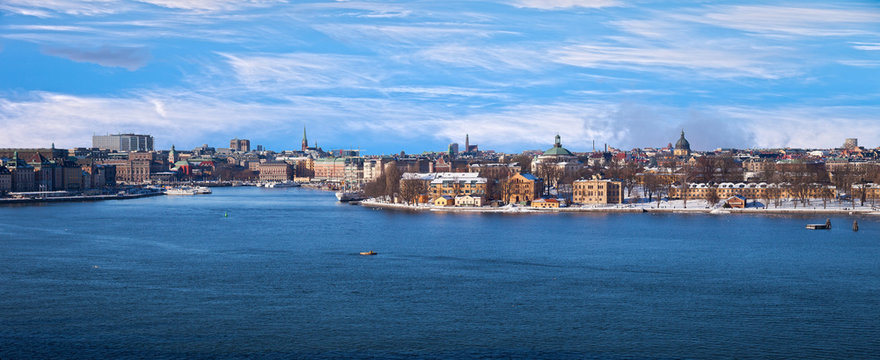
point(557, 149)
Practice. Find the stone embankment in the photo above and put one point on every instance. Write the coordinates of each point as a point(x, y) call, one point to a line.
point(620, 209)
point(80, 198)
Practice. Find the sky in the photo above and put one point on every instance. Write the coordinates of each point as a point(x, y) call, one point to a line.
point(386, 76)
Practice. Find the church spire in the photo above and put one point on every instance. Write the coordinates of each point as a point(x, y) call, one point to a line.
point(305, 142)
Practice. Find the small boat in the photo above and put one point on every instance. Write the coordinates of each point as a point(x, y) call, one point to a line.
point(371, 252)
point(202, 190)
point(825, 226)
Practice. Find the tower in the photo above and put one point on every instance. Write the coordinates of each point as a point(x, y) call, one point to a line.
point(467, 143)
point(682, 147)
point(172, 156)
point(305, 142)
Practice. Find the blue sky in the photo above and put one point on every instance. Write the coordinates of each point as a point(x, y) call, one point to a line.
point(417, 75)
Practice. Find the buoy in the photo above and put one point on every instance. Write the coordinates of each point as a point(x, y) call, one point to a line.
point(855, 225)
point(226, 214)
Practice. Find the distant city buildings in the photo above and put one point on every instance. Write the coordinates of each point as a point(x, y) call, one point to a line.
point(241, 145)
point(123, 142)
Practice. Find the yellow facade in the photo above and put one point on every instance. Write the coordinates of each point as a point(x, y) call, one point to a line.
point(597, 191)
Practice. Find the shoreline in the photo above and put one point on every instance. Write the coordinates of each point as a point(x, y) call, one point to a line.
point(81, 198)
point(614, 210)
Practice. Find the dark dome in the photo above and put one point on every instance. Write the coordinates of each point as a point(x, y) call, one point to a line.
point(682, 143)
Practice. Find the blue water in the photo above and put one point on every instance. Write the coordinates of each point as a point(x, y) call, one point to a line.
point(280, 277)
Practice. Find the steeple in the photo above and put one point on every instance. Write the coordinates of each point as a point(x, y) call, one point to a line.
point(558, 142)
point(305, 142)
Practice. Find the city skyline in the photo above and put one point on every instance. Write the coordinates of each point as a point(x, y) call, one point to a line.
point(512, 74)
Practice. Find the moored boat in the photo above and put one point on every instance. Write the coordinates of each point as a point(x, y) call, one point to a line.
point(180, 191)
point(345, 196)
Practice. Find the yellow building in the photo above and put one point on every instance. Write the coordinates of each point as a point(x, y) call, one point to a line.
point(750, 190)
point(597, 191)
point(444, 201)
point(546, 203)
point(455, 184)
point(523, 187)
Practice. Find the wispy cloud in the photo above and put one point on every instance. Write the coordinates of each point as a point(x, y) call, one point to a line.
point(791, 20)
point(53, 8)
point(866, 46)
point(714, 62)
point(302, 71)
point(131, 58)
point(493, 58)
point(564, 4)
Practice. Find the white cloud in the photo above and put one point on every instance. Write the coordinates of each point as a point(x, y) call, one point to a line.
point(866, 46)
point(708, 61)
point(212, 5)
point(493, 58)
point(792, 20)
point(52, 8)
point(564, 4)
point(275, 72)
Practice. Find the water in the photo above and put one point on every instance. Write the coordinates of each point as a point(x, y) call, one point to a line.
point(280, 277)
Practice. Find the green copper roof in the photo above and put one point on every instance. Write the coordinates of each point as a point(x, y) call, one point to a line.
point(557, 149)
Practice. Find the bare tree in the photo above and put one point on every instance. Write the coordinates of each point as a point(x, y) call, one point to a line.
point(392, 180)
point(551, 174)
point(728, 169)
point(412, 189)
point(712, 196)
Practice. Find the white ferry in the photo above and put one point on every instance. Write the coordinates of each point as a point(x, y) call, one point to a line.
point(180, 191)
point(345, 196)
point(284, 184)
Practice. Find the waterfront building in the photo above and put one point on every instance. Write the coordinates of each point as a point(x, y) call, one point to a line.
point(444, 200)
point(275, 171)
point(736, 202)
point(5, 180)
point(123, 142)
point(242, 145)
point(22, 174)
point(48, 175)
point(597, 191)
point(330, 169)
point(682, 147)
point(469, 200)
point(522, 188)
point(454, 184)
point(137, 166)
point(754, 190)
point(550, 203)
